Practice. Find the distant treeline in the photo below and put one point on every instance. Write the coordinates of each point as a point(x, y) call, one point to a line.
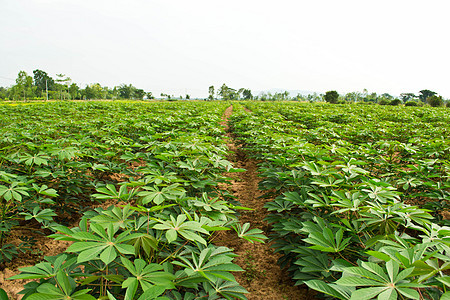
point(41, 86)
point(409, 99)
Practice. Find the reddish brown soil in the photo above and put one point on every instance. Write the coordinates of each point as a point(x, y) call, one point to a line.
point(43, 246)
point(262, 277)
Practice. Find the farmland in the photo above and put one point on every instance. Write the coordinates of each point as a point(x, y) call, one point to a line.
point(140, 195)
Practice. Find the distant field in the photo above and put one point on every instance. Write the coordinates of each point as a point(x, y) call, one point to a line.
point(135, 195)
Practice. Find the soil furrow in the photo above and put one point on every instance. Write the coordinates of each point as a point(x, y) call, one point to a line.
point(263, 277)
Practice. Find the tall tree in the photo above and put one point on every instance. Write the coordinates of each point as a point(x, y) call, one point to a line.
point(424, 94)
point(139, 94)
point(62, 84)
point(126, 91)
point(211, 93)
point(247, 94)
point(407, 96)
point(228, 93)
point(74, 91)
point(42, 81)
point(23, 83)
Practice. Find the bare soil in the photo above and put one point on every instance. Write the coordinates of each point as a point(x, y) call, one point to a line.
point(263, 277)
point(43, 246)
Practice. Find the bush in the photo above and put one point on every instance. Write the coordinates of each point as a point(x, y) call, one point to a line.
point(411, 103)
point(435, 101)
point(395, 102)
point(448, 105)
point(384, 102)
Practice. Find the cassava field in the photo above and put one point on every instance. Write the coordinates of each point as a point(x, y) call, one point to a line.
point(223, 200)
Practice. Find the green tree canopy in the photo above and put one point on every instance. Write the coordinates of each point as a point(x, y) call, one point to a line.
point(424, 94)
point(247, 94)
point(331, 97)
point(42, 81)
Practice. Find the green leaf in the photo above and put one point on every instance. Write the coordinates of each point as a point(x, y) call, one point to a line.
point(152, 293)
point(90, 254)
point(3, 295)
point(109, 254)
point(367, 293)
point(389, 294)
point(445, 280)
point(356, 281)
point(326, 288)
point(63, 281)
point(409, 293)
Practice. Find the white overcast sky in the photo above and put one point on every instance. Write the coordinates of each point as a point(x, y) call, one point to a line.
point(184, 46)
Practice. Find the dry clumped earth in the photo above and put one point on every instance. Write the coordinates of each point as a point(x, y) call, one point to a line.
point(43, 246)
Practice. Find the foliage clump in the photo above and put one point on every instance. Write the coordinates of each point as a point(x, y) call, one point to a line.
point(331, 97)
point(435, 101)
point(411, 103)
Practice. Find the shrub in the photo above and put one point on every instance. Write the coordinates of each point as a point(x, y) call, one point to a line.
point(395, 102)
point(411, 103)
point(435, 101)
point(384, 102)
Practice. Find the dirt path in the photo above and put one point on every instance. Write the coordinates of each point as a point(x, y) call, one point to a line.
point(263, 278)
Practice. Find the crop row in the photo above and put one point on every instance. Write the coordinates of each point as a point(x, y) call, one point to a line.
point(163, 162)
point(360, 195)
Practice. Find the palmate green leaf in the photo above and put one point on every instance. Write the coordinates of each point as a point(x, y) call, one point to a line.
point(104, 245)
point(45, 269)
point(212, 264)
point(37, 159)
point(46, 214)
point(109, 192)
point(147, 275)
point(14, 192)
point(327, 241)
point(44, 190)
point(252, 235)
point(65, 290)
point(385, 283)
point(187, 229)
point(227, 289)
point(120, 218)
point(146, 243)
point(156, 195)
